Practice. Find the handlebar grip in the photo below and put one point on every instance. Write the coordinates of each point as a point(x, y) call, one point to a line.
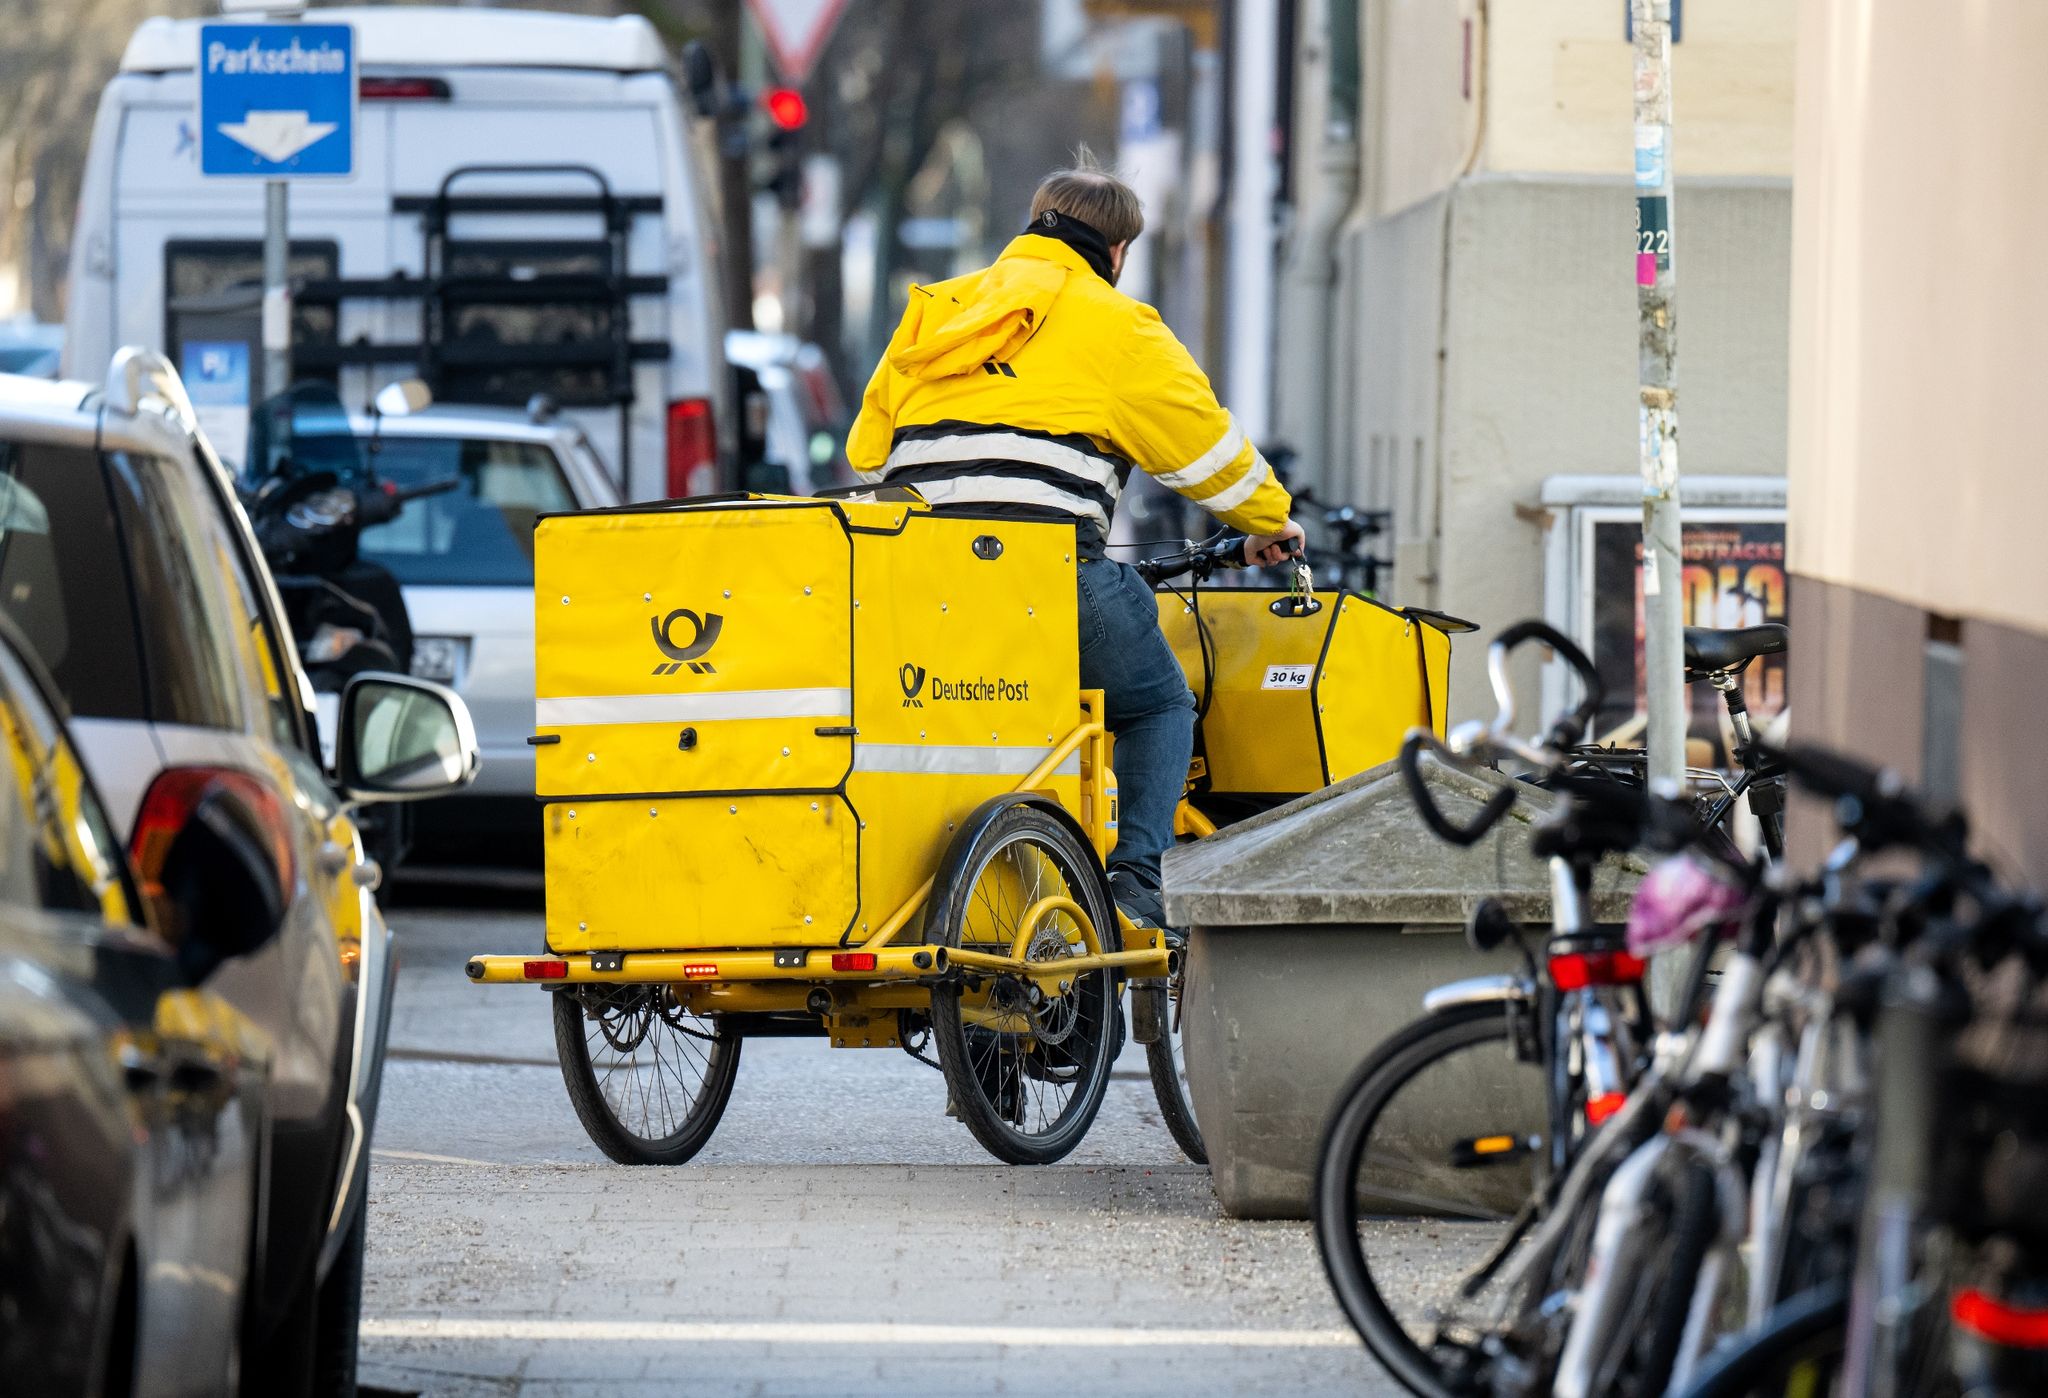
point(1441, 825)
point(1227, 552)
point(1569, 729)
point(1830, 774)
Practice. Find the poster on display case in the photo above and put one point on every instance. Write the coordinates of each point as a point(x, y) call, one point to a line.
point(1734, 575)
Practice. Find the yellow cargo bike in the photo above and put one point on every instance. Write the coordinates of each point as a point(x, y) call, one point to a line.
point(824, 766)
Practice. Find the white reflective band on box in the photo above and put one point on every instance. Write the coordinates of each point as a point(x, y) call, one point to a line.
point(1231, 497)
point(958, 761)
point(1208, 463)
point(1006, 446)
point(689, 708)
point(981, 490)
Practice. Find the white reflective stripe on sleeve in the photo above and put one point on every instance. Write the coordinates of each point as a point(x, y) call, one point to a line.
point(687, 708)
point(973, 490)
point(1230, 497)
point(957, 761)
point(1208, 463)
point(1005, 446)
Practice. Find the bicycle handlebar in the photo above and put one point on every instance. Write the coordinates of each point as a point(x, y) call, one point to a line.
point(1569, 729)
point(1226, 551)
point(1441, 825)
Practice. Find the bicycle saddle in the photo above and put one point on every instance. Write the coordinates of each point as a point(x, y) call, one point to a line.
point(1708, 650)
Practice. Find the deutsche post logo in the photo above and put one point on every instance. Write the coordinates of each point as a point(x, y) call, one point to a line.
point(912, 679)
point(703, 636)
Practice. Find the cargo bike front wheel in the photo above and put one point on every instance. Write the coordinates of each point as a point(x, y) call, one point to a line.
point(1026, 1058)
point(649, 1080)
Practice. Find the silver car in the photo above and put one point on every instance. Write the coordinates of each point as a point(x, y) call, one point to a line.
point(464, 558)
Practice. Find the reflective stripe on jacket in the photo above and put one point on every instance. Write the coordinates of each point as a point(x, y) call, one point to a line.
point(1035, 382)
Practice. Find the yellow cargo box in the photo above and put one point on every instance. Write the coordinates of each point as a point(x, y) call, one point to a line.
point(759, 720)
point(1299, 701)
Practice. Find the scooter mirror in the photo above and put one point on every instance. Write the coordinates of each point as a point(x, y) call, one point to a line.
point(404, 397)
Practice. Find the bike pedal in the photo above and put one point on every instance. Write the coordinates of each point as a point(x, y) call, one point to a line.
point(1477, 1152)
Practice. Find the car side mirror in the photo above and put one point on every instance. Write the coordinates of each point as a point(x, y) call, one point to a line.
point(402, 739)
point(222, 890)
point(405, 397)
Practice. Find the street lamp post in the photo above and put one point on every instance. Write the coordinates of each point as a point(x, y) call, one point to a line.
point(1657, 420)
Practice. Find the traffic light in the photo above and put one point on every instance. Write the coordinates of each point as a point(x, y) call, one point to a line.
point(788, 112)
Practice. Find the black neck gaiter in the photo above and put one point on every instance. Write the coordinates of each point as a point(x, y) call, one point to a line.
point(1081, 237)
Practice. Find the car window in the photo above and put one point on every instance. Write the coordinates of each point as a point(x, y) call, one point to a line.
point(478, 532)
point(256, 642)
point(72, 862)
point(186, 620)
point(63, 577)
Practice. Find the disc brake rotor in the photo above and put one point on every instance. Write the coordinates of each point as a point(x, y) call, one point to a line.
point(624, 1024)
point(1053, 1018)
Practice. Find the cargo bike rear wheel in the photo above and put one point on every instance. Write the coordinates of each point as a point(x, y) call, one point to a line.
point(1026, 1062)
point(649, 1079)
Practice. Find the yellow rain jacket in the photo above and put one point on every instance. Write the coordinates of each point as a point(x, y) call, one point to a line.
point(1036, 383)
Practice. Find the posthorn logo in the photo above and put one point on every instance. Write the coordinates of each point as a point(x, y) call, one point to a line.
point(912, 679)
point(703, 636)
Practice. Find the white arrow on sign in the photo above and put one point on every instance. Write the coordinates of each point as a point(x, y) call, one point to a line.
point(276, 136)
point(796, 31)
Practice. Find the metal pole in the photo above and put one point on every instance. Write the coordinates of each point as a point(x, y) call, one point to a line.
point(1657, 426)
point(277, 300)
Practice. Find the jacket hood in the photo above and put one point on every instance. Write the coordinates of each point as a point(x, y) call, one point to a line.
point(1005, 308)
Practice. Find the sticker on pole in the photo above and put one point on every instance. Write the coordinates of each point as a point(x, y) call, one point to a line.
point(796, 31)
point(277, 101)
point(1289, 677)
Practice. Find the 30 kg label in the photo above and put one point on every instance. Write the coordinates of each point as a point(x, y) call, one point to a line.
point(1289, 677)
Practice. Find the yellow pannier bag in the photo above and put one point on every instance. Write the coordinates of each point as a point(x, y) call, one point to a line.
point(1299, 701)
point(760, 720)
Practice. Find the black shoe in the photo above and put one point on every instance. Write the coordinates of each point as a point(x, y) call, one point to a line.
point(1143, 905)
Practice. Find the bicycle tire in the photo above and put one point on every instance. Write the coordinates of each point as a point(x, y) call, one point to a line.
point(990, 1073)
point(1393, 1064)
point(1692, 1223)
point(603, 1120)
point(1163, 1060)
point(1808, 1328)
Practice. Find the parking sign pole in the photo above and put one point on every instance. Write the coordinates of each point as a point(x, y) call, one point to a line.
point(277, 296)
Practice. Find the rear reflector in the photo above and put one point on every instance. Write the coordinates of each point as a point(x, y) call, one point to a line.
point(547, 970)
point(1602, 1105)
point(403, 89)
point(692, 448)
point(2000, 1322)
point(700, 969)
point(1579, 969)
point(853, 961)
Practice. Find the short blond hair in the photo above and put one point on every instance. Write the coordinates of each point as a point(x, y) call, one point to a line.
point(1092, 194)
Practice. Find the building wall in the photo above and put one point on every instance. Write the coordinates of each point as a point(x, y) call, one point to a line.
point(1918, 482)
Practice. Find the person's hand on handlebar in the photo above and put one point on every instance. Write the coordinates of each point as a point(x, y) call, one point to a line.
point(1265, 550)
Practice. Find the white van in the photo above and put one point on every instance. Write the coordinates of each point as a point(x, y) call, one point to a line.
point(529, 214)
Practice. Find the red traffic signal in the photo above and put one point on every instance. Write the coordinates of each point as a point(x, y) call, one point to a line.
point(786, 107)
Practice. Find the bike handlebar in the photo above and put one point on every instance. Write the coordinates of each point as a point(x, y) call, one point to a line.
point(1441, 825)
point(1226, 551)
point(1568, 730)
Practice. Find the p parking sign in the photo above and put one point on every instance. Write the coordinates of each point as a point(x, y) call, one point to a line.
point(277, 101)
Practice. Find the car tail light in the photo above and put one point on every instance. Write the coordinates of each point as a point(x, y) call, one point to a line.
point(169, 803)
point(853, 961)
point(2000, 1322)
point(698, 970)
point(692, 448)
point(1602, 1105)
point(548, 970)
point(1578, 969)
point(403, 90)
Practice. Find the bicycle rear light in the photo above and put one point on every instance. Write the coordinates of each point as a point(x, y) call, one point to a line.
point(1576, 970)
point(1602, 1105)
point(2000, 1322)
point(853, 961)
point(546, 970)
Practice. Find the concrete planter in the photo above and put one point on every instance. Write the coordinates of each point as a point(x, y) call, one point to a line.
point(1315, 931)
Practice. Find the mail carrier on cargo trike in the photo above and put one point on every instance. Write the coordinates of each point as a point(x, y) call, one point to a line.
point(843, 766)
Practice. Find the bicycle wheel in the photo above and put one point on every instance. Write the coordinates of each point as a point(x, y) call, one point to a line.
point(1026, 1070)
point(1795, 1351)
point(1431, 1150)
point(1166, 1059)
point(648, 1079)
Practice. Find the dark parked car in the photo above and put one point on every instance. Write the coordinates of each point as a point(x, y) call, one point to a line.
point(209, 1144)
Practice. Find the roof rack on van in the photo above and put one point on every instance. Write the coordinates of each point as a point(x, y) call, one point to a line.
point(498, 313)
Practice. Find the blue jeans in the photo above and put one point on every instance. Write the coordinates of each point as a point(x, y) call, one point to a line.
point(1149, 709)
